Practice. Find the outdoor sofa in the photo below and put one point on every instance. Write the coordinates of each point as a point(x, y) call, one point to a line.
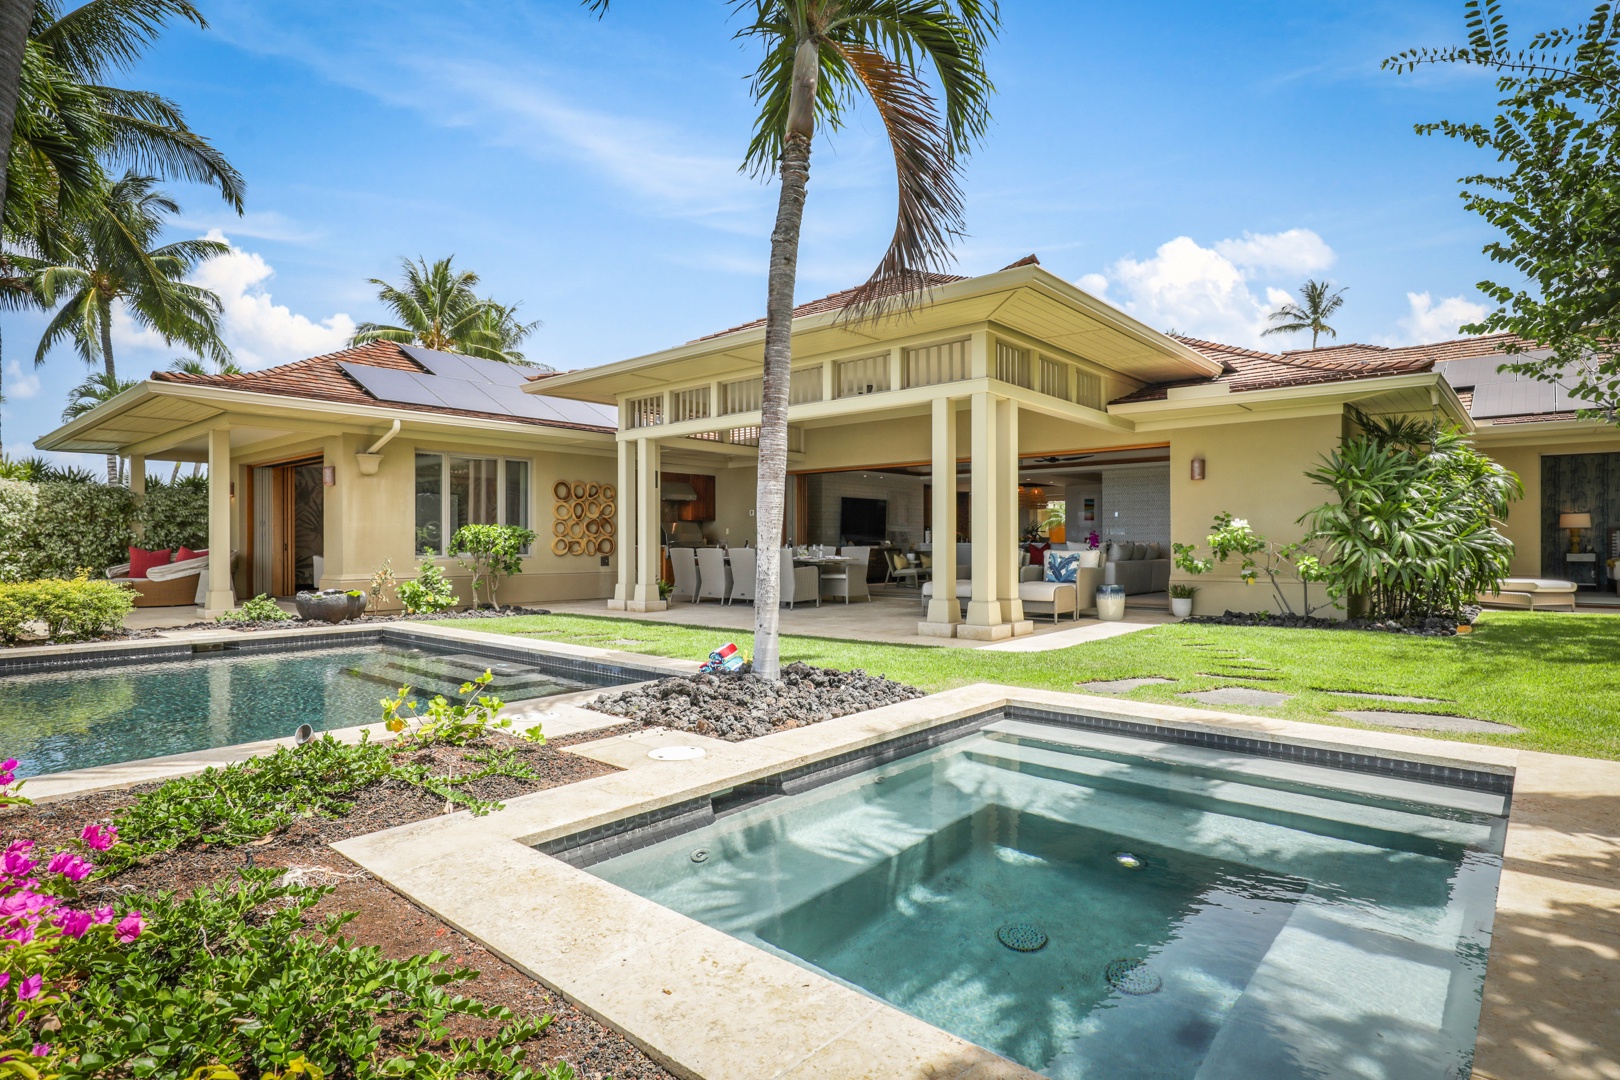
point(1536, 594)
point(175, 584)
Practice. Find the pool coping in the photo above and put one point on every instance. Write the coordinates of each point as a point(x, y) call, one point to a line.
point(707, 1005)
point(559, 715)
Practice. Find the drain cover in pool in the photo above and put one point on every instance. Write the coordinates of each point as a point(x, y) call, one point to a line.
point(1133, 977)
point(1021, 937)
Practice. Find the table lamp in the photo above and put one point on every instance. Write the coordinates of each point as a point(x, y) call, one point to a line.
point(1574, 523)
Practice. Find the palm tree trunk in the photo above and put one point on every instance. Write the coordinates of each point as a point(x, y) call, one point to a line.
point(770, 495)
point(15, 17)
point(112, 372)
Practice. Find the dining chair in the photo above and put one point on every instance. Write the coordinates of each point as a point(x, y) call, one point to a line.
point(684, 561)
point(714, 576)
point(899, 569)
point(849, 579)
point(796, 584)
point(744, 564)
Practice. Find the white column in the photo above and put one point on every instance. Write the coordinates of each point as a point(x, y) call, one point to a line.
point(984, 608)
point(1007, 555)
point(625, 540)
point(137, 487)
point(644, 597)
point(943, 612)
point(220, 596)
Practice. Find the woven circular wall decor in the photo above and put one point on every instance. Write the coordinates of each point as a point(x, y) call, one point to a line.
point(579, 489)
point(604, 546)
point(559, 546)
point(560, 490)
point(609, 492)
point(590, 546)
point(559, 528)
point(592, 490)
point(584, 512)
point(576, 547)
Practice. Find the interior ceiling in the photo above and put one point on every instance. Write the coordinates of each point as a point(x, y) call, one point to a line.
point(1047, 469)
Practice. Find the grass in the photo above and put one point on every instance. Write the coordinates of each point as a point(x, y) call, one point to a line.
point(1554, 675)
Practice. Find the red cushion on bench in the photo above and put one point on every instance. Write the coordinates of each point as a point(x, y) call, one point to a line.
point(141, 560)
point(185, 554)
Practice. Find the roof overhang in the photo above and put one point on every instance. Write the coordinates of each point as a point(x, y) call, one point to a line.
point(1217, 403)
point(166, 421)
point(1027, 299)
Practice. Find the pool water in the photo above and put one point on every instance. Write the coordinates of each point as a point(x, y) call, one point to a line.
point(1205, 914)
point(82, 717)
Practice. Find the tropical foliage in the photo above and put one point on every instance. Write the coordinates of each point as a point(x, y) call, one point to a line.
point(437, 307)
point(1318, 301)
point(77, 609)
point(1556, 200)
point(428, 592)
point(257, 610)
point(491, 552)
point(1412, 531)
point(1284, 566)
point(821, 59)
point(54, 529)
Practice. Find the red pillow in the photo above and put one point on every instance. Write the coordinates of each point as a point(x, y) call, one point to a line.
point(185, 554)
point(141, 560)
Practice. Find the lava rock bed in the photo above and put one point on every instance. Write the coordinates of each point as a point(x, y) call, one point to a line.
point(742, 706)
point(1421, 626)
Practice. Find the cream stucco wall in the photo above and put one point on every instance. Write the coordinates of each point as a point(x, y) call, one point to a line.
point(1254, 470)
point(1523, 525)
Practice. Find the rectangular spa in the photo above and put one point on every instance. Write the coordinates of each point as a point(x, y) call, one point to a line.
point(94, 710)
point(1102, 903)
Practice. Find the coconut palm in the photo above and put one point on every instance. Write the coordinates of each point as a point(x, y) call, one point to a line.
point(1318, 302)
point(436, 307)
point(191, 365)
point(823, 57)
point(98, 386)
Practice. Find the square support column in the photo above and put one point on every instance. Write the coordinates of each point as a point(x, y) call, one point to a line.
point(137, 488)
point(644, 597)
point(984, 621)
point(1008, 554)
point(625, 513)
point(943, 612)
point(220, 596)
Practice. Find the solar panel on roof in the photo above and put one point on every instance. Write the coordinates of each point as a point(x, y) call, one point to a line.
point(471, 395)
point(462, 394)
point(386, 384)
point(476, 369)
point(1523, 398)
point(439, 363)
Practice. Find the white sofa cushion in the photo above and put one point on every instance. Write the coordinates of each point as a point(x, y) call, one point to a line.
point(1537, 585)
point(178, 569)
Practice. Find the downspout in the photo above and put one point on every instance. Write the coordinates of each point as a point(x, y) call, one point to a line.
point(372, 458)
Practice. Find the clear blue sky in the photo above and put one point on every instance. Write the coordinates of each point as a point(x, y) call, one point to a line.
point(1188, 160)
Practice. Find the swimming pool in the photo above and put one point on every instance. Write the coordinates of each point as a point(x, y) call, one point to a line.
point(84, 715)
point(1095, 903)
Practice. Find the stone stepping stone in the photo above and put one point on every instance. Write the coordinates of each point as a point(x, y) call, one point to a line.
point(1246, 675)
point(1425, 721)
point(1387, 697)
point(1121, 686)
point(1240, 695)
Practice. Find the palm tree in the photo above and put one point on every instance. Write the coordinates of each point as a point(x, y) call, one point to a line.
point(821, 58)
point(1318, 303)
point(437, 308)
point(191, 365)
point(15, 18)
point(98, 386)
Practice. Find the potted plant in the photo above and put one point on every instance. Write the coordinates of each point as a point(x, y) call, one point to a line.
point(1181, 600)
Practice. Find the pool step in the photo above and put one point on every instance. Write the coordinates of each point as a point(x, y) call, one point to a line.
point(428, 674)
point(1403, 830)
point(1329, 782)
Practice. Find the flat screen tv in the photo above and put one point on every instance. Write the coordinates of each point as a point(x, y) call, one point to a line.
point(864, 521)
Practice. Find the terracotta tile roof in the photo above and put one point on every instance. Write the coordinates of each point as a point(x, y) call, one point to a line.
point(321, 379)
point(1251, 369)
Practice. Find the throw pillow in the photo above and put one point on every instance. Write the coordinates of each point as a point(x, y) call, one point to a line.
point(1061, 565)
point(141, 560)
point(1116, 551)
point(185, 554)
point(1091, 559)
point(1155, 550)
point(1139, 552)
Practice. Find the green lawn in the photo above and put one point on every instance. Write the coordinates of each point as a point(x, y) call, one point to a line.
point(1557, 676)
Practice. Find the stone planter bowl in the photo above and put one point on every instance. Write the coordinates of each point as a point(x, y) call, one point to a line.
point(330, 605)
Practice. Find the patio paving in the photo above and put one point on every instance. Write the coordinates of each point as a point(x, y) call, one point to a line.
point(1240, 695)
point(1425, 721)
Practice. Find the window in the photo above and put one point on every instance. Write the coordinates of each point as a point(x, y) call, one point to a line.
point(453, 490)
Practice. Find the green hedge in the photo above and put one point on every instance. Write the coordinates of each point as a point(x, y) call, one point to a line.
point(53, 530)
point(79, 609)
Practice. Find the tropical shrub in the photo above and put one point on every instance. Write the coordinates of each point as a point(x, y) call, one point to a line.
point(491, 552)
point(80, 609)
point(1282, 564)
point(428, 592)
point(53, 528)
point(382, 579)
point(1413, 531)
point(172, 515)
point(259, 609)
point(454, 725)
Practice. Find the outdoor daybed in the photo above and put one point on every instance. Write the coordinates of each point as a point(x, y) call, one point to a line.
point(1537, 594)
point(175, 584)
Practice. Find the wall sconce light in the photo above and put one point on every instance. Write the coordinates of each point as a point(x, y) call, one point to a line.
point(329, 475)
point(1198, 468)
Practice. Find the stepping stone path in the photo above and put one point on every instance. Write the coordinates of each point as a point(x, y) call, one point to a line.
point(1425, 721)
point(1120, 686)
point(1388, 697)
point(1240, 695)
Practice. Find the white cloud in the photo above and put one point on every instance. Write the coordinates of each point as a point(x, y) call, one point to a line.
point(256, 224)
point(258, 331)
point(20, 385)
point(1210, 292)
point(1430, 321)
point(1293, 251)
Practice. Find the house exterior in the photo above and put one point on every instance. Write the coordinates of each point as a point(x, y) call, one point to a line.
point(338, 463)
point(956, 417)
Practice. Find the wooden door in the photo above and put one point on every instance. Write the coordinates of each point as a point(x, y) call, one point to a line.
point(283, 528)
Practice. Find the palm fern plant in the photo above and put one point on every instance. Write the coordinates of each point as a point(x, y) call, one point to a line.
point(821, 59)
point(1318, 301)
point(437, 307)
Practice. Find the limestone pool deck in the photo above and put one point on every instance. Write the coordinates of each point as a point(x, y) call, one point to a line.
point(707, 1005)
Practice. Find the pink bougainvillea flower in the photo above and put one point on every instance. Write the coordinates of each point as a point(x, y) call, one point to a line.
point(8, 771)
point(42, 1049)
point(101, 915)
point(16, 861)
point(29, 987)
point(129, 928)
point(99, 839)
point(72, 923)
point(5, 977)
point(72, 866)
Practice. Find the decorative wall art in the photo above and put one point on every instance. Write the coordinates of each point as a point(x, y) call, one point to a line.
point(582, 518)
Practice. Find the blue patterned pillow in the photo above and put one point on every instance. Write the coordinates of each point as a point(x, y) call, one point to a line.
point(1062, 565)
